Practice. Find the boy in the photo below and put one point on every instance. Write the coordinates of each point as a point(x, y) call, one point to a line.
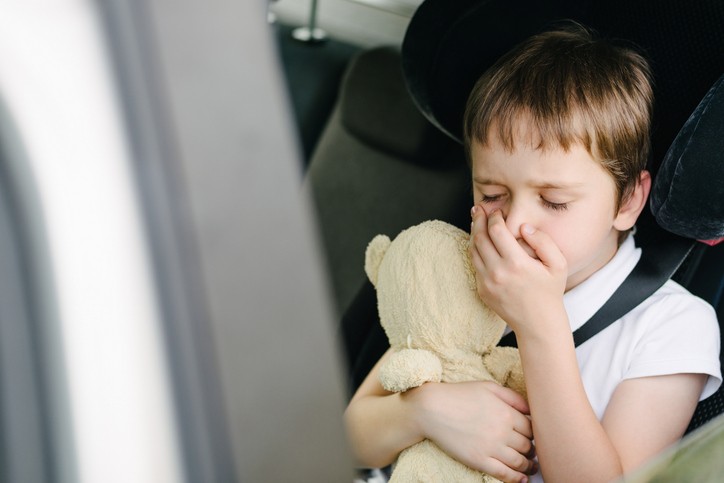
point(557, 132)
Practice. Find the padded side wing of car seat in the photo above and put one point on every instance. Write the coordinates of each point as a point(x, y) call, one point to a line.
point(379, 167)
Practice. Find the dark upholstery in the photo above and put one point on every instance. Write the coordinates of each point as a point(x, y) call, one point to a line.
point(364, 339)
point(379, 167)
point(376, 109)
point(688, 195)
point(683, 40)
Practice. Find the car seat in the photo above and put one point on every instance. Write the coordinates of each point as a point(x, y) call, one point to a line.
point(685, 201)
point(379, 167)
point(685, 44)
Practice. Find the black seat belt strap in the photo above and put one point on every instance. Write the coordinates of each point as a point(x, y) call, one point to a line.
point(657, 264)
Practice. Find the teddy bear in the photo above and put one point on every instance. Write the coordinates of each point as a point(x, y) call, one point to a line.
point(439, 331)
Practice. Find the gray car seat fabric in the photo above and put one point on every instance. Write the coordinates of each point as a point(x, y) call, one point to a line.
point(379, 167)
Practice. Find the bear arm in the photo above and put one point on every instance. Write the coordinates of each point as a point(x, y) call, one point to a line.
point(506, 367)
point(408, 368)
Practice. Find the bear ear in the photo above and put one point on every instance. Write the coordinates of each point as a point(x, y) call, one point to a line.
point(373, 256)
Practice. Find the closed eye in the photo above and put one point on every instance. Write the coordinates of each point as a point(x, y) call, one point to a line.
point(554, 206)
point(491, 199)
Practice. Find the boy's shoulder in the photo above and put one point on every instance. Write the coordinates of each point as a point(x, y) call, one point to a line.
point(672, 331)
point(674, 302)
point(674, 293)
point(670, 296)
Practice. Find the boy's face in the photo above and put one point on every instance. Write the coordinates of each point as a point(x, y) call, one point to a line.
point(566, 194)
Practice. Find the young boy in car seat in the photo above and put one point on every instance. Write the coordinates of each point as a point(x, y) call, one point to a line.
point(557, 132)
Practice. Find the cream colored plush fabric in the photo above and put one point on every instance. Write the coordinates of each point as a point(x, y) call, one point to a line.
point(438, 328)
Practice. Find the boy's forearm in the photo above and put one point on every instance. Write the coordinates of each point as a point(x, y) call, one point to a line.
point(380, 427)
point(570, 441)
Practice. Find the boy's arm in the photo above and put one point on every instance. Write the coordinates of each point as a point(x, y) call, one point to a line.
point(380, 423)
point(478, 423)
point(572, 444)
point(644, 416)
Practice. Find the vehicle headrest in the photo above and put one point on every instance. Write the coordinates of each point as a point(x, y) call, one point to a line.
point(449, 44)
point(688, 193)
point(377, 109)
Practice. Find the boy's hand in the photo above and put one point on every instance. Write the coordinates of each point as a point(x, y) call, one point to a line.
point(519, 283)
point(481, 424)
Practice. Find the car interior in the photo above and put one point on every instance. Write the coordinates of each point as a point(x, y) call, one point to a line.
point(168, 290)
point(381, 164)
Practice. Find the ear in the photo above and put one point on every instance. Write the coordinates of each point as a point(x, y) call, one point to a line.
point(376, 250)
point(632, 206)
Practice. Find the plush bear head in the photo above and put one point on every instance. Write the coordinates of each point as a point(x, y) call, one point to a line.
point(428, 302)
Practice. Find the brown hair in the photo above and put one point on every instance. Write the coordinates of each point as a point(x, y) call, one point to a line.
point(573, 88)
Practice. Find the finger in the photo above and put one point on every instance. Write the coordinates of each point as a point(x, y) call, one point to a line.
point(477, 260)
point(479, 234)
point(499, 470)
point(481, 248)
point(521, 444)
point(477, 210)
point(516, 461)
point(510, 397)
point(503, 240)
point(523, 426)
point(479, 221)
point(544, 246)
point(520, 422)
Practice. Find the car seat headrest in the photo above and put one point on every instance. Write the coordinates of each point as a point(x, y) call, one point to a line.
point(377, 109)
point(688, 193)
point(449, 44)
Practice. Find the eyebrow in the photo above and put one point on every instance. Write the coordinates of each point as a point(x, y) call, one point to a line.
point(544, 185)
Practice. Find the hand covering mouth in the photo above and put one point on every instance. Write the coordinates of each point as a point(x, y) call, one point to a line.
point(528, 249)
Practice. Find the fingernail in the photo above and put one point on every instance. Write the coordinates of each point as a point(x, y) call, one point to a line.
point(474, 210)
point(528, 229)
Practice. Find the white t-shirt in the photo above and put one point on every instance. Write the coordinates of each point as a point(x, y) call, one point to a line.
point(671, 332)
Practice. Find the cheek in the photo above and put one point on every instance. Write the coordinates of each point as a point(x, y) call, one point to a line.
point(580, 240)
point(569, 237)
point(564, 238)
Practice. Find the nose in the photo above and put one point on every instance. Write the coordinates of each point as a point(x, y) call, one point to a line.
point(515, 215)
